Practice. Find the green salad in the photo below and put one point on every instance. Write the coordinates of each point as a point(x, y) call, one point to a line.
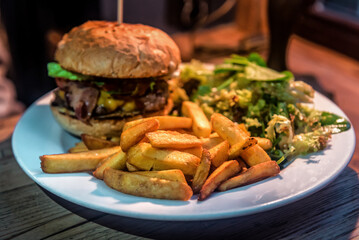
point(271, 104)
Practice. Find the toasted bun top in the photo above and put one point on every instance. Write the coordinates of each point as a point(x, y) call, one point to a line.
point(109, 49)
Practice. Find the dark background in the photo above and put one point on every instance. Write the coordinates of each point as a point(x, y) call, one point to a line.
point(34, 27)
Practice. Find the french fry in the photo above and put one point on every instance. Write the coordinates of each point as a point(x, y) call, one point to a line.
point(200, 124)
point(243, 165)
point(79, 147)
point(186, 131)
point(93, 143)
point(214, 135)
point(254, 155)
point(173, 175)
point(166, 122)
point(171, 159)
point(135, 157)
point(222, 173)
point(134, 134)
point(171, 139)
point(75, 162)
point(264, 143)
point(115, 161)
point(228, 130)
point(243, 128)
point(145, 186)
point(202, 171)
point(197, 151)
point(219, 153)
point(253, 174)
point(236, 150)
point(131, 168)
point(211, 142)
point(144, 140)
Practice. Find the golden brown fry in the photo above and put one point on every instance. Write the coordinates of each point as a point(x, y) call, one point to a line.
point(144, 186)
point(144, 140)
point(243, 165)
point(211, 142)
point(186, 131)
point(197, 151)
point(254, 155)
point(228, 130)
point(171, 139)
point(219, 153)
point(165, 159)
point(79, 147)
point(222, 173)
point(236, 150)
point(264, 143)
point(134, 134)
point(243, 128)
point(253, 174)
point(135, 157)
point(115, 161)
point(93, 143)
point(131, 168)
point(75, 162)
point(214, 135)
point(173, 175)
point(166, 122)
point(202, 171)
point(200, 124)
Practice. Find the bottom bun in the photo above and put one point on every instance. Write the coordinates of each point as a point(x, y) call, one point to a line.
point(97, 127)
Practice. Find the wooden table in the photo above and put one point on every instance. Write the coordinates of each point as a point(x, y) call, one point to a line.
point(28, 212)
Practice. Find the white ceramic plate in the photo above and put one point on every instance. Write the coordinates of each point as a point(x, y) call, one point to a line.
point(37, 134)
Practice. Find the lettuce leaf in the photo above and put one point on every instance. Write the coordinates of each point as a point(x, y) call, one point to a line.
point(55, 70)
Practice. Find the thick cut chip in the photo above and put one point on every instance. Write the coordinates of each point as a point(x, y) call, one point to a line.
point(197, 151)
point(173, 174)
point(145, 186)
point(75, 162)
point(226, 170)
point(254, 155)
point(219, 153)
point(172, 159)
point(174, 140)
point(136, 157)
point(166, 122)
point(228, 130)
point(136, 133)
point(243, 128)
point(200, 124)
point(264, 143)
point(94, 143)
point(211, 142)
point(79, 147)
point(252, 175)
point(202, 171)
point(131, 168)
point(236, 150)
point(115, 161)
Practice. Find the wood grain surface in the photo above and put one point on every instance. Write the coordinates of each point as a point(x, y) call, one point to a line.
point(28, 212)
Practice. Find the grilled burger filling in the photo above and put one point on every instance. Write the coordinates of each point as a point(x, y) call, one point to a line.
point(104, 98)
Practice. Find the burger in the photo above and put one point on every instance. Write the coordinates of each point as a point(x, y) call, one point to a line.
point(109, 73)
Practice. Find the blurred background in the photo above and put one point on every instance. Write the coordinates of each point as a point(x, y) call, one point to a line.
point(208, 30)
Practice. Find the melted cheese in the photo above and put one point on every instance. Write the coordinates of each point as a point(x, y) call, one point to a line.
point(107, 101)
